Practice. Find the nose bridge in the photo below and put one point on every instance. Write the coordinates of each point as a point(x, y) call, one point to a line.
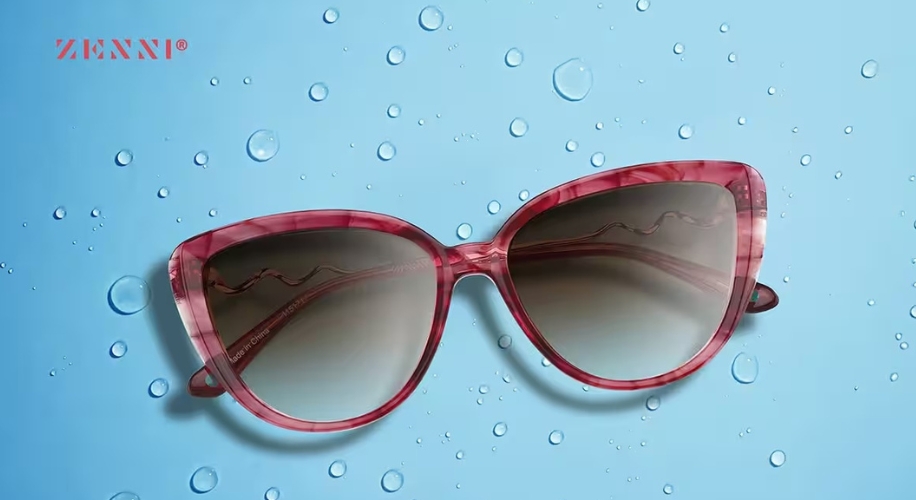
point(473, 258)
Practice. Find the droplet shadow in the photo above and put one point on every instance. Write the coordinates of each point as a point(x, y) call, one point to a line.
point(180, 405)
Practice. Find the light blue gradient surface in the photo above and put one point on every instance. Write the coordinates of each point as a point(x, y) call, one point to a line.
point(92, 430)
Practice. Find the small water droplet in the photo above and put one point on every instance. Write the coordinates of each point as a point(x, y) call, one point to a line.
point(331, 16)
point(904, 346)
point(723, 28)
point(272, 494)
point(523, 195)
point(60, 213)
point(642, 5)
point(785, 279)
point(678, 48)
point(213, 212)
point(118, 349)
point(337, 469)
point(572, 146)
point(685, 131)
point(464, 231)
point(599, 126)
point(214, 81)
point(777, 458)
point(394, 111)
point(507, 378)
point(459, 455)
point(163, 192)
point(263, 145)
point(431, 18)
point(483, 389)
point(318, 91)
point(870, 302)
point(545, 362)
point(500, 429)
point(518, 127)
point(732, 57)
point(158, 388)
point(794, 130)
point(95, 212)
point(392, 481)
point(126, 495)
point(838, 174)
point(805, 160)
point(898, 336)
point(894, 377)
point(246, 80)
point(573, 79)
point(668, 489)
point(870, 68)
point(745, 368)
point(653, 403)
point(597, 159)
point(52, 373)
point(204, 480)
point(396, 55)
point(742, 120)
point(514, 58)
point(386, 151)
point(201, 158)
point(555, 437)
point(129, 295)
point(771, 91)
point(847, 130)
point(504, 342)
point(493, 207)
point(913, 312)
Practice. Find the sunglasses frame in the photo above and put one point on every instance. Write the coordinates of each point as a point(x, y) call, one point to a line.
point(188, 275)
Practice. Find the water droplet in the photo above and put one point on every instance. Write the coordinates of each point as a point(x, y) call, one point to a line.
point(394, 111)
point(545, 362)
point(514, 58)
point(459, 455)
point(847, 130)
point(52, 372)
point(201, 158)
point(599, 126)
point(777, 458)
point(870, 68)
point(386, 151)
point(507, 378)
point(838, 174)
point(431, 18)
point(894, 377)
point(805, 160)
point(555, 437)
point(742, 120)
point(870, 302)
point(263, 145)
point(464, 231)
point(745, 368)
point(204, 480)
point(337, 469)
point(484, 389)
point(668, 489)
point(331, 16)
point(159, 388)
point(392, 481)
point(913, 312)
point(523, 195)
point(572, 146)
point(126, 495)
point(129, 295)
point(685, 131)
point(118, 349)
point(785, 279)
point(573, 80)
point(794, 130)
point(318, 92)
point(504, 342)
point(246, 80)
point(597, 159)
point(771, 91)
point(904, 346)
point(642, 5)
point(213, 212)
point(493, 207)
point(60, 213)
point(396, 55)
point(653, 403)
point(518, 127)
point(214, 81)
point(95, 212)
point(732, 57)
point(500, 429)
point(723, 28)
point(678, 48)
point(163, 192)
point(898, 336)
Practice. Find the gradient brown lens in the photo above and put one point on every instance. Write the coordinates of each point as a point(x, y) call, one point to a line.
point(364, 314)
point(631, 283)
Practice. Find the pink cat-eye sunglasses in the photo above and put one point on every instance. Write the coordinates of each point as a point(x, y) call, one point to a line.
point(327, 320)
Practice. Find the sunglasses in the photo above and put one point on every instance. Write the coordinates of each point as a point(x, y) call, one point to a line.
point(327, 320)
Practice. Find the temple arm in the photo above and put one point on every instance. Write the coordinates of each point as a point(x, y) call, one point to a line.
point(242, 351)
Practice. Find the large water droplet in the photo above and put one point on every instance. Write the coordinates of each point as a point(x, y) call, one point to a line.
point(685, 131)
point(493, 207)
point(386, 151)
point(514, 58)
point(126, 495)
point(745, 368)
point(201, 158)
point(777, 458)
point(518, 127)
point(337, 469)
point(318, 91)
point(204, 480)
point(272, 494)
point(431, 18)
point(59, 213)
point(500, 429)
point(394, 111)
point(642, 5)
point(95, 212)
point(129, 295)
point(555, 437)
point(124, 157)
point(464, 231)
point(668, 489)
point(118, 349)
point(653, 403)
point(158, 387)
point(597, 159)
point(571, 146)
point(678, 48)
point(396, 55)
point(331, 16)
point(504, 342)
point(163, 192)
point(392, 481)
point(805, 160)
point(573, 80)
point(263, 145)
point(870, 68)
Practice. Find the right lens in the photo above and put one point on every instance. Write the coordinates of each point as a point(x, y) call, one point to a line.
point(631, 283)
point(355, 309)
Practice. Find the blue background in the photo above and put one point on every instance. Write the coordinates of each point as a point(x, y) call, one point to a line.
point(92, 430)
